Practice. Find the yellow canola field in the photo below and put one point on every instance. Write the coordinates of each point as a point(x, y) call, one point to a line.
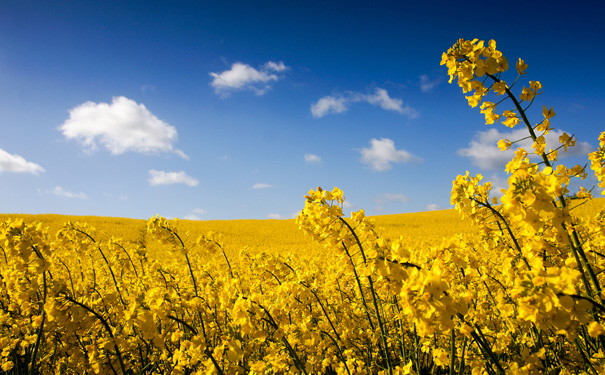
point(282, 236)
point(239, 296)
point(273, 236)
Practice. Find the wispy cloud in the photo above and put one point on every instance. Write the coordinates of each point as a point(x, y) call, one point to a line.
point(427, 84)
point(148, 88)
point(168, 178)
point(17, 164)
point(60, 192)
point(333, 104)
point(311, 158)
point(382, 99)
point(261, 186)
point(243, 77)
point(382, 153)
point(119, 127)
point(484, 153)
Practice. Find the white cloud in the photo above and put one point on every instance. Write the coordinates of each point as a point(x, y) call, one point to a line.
point(120, 126)
point(278, 67)
point(244, 77)
point(382, 99)
point(17, 164)
point(261, 186)
point(340, 103)
point(167, 178)
point(382, 153)
point(310, 158)
point(484, 152)
point(328, 105)
point(432, 207)
point(386, 198)
point(426, 84)
point(60, 192)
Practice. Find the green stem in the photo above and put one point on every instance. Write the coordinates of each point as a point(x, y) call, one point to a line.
point(452, 352)
point(105, 325)
point(113, 276)
point(40, 329)
point(383, 334)
point(191, 273)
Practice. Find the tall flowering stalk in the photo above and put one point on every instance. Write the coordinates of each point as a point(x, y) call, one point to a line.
point(534, 214)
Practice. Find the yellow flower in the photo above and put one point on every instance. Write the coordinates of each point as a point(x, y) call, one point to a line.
point(567, 141)
point(548, 113)
point(527, 94)
point(535, 86)
point(521, 67)
point(7, 366)
point(511, 118)
point(595, 329)
point(440, 357)
point(500, 87)
point(504, 144)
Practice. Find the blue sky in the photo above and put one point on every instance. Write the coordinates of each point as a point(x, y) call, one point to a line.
point(235, 109)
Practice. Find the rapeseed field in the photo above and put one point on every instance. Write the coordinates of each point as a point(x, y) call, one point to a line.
point(507, 283)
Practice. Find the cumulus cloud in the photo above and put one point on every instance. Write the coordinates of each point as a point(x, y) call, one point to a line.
point(261, 186)
point(60, 192)
point(329, 105)
point(119, 127)
point(340, 103)
point(426, 84)
point(387, 198)
point(17, 164)
point(310, 158)
point(382, 153)
point(484, 152)
point(243, 77)
point(168, 178)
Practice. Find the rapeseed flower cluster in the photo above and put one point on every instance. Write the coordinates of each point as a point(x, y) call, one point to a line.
point(519, 294)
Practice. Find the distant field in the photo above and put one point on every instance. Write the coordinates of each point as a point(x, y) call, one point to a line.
point(266, 235)
point(421, 228)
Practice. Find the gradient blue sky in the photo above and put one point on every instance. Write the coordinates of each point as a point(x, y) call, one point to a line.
point(235, 109)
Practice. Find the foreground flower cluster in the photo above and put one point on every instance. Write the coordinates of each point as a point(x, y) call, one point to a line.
point(523, 295)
